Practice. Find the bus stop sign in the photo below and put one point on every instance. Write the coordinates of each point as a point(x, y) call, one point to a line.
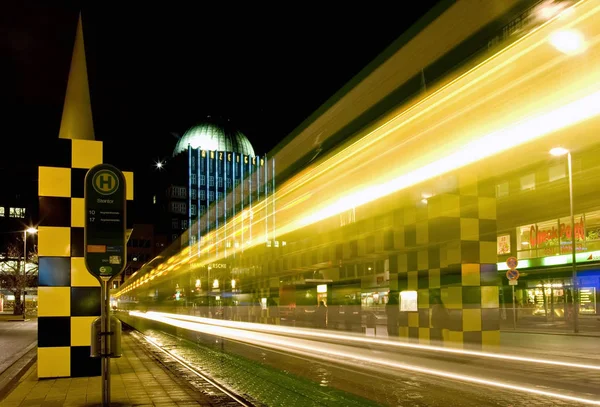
point(105, 203)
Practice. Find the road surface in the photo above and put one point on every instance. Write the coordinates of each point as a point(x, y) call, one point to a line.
point(16, 338)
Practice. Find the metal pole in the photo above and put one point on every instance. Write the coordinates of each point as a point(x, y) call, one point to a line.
point(105, 324)
point(514, 308)
point(573, 249)
point(24, 268)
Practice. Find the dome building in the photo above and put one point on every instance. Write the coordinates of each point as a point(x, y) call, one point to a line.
point(213, 175)
point(214, 137)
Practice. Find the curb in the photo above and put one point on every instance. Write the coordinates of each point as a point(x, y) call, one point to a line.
point(551, 333)
point(10, 377)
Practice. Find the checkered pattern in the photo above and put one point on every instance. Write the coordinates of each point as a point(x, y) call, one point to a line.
point(450, 253)
point(69, 296)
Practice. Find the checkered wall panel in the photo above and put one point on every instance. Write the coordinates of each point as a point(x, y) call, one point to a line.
point(450, 255)
point(69, 296)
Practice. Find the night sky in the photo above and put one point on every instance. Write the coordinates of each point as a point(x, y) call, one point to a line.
point(157, 69)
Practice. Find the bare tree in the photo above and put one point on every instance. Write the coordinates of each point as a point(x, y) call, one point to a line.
point(12, 277)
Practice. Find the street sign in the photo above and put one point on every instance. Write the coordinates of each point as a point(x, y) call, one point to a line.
point(512, 263)
point(512, 275)
point(513, 282)
point(105, 234)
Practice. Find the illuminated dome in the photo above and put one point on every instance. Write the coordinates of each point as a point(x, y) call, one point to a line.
point(214, 136)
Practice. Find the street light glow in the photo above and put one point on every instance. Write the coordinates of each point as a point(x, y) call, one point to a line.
point(559, 151)
point(31, 230)
point(568, 42)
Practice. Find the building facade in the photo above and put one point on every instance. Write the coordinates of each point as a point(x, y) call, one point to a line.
point(213, 176)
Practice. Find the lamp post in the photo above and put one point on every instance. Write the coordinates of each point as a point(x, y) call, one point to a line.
point(557, 152)
point(25, 232)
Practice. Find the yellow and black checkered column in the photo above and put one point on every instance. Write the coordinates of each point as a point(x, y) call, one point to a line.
point(69, 296)
point(450, 258)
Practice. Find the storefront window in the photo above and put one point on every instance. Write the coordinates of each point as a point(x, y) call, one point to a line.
point(566, 234)
point(526, 241)
point(553, 237)
point(592, 231)
point(546, 299)
point(547, 238)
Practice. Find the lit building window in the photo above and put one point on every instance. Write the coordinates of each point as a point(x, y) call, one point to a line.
point(502, 190)
point(202, 180)
point(178, 207)
point(211, 181)
point(178, 192)
point(1, 211)
point(194, 179)
point(202, 194)
point(153, 200)
point(193, 209)
point(556, 172)
point(184, 224)
point(528, 182)
point(194, 193)
point(220, 182)
point(17, 212)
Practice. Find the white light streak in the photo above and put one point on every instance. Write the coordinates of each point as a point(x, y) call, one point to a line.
point(282, 330)
point(347, 357)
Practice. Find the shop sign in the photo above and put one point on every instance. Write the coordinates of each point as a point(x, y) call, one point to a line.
point(587, 300)
point(218, 266)
point(559, 235)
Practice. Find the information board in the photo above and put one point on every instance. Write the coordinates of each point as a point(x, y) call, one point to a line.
point(105, 221)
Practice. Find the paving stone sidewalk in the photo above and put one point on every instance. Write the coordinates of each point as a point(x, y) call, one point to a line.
point(136, 380)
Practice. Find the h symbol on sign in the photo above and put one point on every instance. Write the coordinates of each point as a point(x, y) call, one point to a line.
point(106, 180)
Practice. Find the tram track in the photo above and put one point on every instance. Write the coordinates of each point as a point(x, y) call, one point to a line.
point(219, 387)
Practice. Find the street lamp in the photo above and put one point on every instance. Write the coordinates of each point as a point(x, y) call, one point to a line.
point(558, 152)
point(31, 231)
point(568, 42)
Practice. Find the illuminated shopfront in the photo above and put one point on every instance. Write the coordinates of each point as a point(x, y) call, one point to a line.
point(554, 237)
point(553, 299)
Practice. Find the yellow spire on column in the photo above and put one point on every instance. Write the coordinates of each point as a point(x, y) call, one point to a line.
point(77, 120)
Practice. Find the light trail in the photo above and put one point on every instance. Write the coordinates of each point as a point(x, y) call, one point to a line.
point(281, 330)
point(478, 131)
point(346, 357)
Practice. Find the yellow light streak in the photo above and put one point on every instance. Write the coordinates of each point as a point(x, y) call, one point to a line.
point(476, 110)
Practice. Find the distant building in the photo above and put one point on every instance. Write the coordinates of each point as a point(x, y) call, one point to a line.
point(143, 245)
point(16, 215)
point(213, 175)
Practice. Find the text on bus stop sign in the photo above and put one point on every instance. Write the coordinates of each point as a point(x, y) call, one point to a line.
point(105, 203)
